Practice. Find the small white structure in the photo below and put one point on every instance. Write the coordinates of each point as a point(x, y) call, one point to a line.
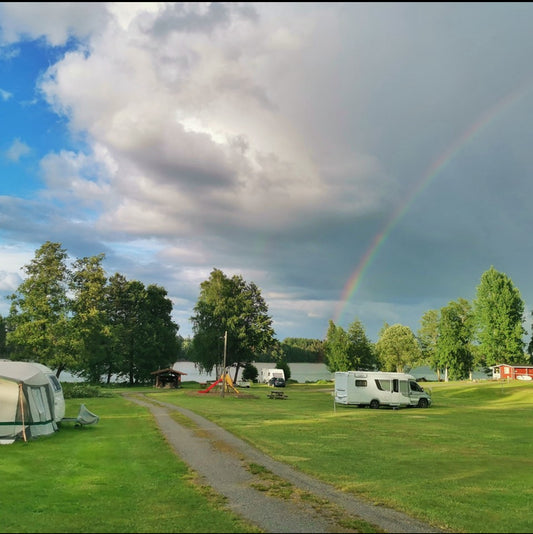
point(267, 374)
point(31, 401)
point(376, 388)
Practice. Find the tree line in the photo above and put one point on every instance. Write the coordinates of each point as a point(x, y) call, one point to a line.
point(75, 318)
point(454, 340)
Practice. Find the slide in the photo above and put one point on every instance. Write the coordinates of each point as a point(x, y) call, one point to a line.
point(210, 387)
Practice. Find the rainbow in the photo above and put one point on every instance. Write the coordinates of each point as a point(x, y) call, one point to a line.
point(354, 281)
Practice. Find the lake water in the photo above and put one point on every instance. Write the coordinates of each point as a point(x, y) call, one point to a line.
point(301, 372)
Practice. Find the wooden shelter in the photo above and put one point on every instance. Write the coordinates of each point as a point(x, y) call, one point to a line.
point(167, 378)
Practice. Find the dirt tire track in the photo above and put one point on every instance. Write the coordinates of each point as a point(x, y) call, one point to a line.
point(220, 459)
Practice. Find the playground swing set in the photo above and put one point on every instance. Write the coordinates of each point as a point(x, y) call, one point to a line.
point(225, 381)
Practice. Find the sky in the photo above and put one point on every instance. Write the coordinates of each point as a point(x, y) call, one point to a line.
point(355, 161)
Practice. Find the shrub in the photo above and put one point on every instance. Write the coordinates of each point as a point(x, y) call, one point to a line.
point(77, 390)
point(250, 372)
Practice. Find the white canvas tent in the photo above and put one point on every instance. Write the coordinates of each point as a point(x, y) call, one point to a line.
point(27, 404)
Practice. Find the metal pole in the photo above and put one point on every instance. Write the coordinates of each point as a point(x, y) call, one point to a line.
point(224, 371)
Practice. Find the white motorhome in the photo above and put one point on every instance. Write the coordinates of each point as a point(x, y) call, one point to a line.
point(267, 374)
point(376, 388)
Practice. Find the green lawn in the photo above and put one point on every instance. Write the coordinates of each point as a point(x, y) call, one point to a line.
point(117, 476)
point(465, 464)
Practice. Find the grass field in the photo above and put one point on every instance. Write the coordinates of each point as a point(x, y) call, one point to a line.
point(465, 464)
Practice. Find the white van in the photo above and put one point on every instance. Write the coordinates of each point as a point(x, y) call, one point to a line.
point(376, 388)
point(268, 374)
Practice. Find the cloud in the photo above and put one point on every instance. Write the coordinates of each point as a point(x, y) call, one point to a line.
point(5, 95)
point(17, 150)
point(280, 140)
point(55, 22)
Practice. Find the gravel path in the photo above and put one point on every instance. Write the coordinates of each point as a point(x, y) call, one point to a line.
point(220, 458)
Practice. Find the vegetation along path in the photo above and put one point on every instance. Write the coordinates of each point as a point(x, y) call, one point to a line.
point(268, 493)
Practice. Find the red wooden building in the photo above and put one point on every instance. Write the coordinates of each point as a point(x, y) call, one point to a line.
point(513, 372)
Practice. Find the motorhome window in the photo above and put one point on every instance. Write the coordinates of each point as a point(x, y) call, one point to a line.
point(383, 385)
point(415, 386)
point(361, 383)
point(395, 385)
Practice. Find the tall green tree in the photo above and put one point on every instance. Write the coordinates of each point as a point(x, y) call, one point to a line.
point(349, 350)
point(39, 321)
point(454, 344)
point(336, 347)
point(90, 319)
point(234, 306)
point(361, 348)
point(397, 348)
point(118, 308)
point(428, 334)
point(160, 342)
point(3, 334)
point(143, 335)
point(499, 312)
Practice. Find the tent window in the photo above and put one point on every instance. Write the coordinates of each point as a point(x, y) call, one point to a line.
point(55, 382)
point(37, 395)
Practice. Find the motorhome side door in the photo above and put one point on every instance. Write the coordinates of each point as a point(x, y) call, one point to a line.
point(399, 391)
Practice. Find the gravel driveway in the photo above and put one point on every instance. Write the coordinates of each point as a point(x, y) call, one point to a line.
point(222, 460)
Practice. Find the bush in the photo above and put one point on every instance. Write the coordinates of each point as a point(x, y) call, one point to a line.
point(286, 369)
point(250, 372)
point(77, 390)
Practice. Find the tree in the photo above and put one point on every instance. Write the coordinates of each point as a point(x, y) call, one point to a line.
point(454, 343)
point(336, 348)
point(234, 306)
point(346, 351)
point(428, 335)
point(499, 311)
point(39, 321)
point(250, 372)
point(160, 343)
point(3, 346)
point(144, 337)
point(299, 349)
point(286, 369)
point(397, 348)
point(90, 321)
point(361, 348)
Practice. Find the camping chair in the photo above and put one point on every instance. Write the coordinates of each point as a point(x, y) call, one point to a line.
point(85, 417)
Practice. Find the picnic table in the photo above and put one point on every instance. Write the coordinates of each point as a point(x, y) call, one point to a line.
point(277, 395)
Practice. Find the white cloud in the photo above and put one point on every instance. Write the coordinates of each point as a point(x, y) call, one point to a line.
point(55, 21)
point(283, 141)
point(17, 150)
point(184, 111)
point(5, 95)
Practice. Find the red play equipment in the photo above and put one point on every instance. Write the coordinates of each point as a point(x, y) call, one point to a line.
point(210, 387)
point(228, 380)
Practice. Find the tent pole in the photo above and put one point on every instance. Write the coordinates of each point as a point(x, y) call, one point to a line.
point(22, 413)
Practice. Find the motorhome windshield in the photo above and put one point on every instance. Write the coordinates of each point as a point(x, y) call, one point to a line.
point(415, 387)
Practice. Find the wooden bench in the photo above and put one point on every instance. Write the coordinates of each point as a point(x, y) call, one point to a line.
point(277, 395)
